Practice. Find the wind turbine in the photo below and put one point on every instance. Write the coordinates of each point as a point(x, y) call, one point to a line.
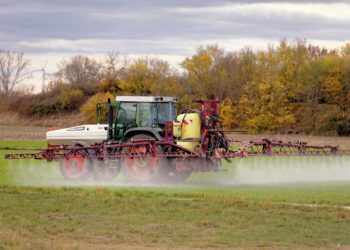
point(43, 77)
point(43, 69)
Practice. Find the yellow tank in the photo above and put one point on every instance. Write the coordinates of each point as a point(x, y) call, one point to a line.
point(191, 129)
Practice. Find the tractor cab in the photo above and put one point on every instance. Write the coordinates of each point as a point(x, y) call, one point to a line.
point(130, 115)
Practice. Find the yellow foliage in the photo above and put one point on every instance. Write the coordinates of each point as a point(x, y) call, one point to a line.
point(200, 71)
point(336, 84)
point(265, 107)
point(88, 110)
point(227, 113)
point(69, 95)
point(139, 81)
point(147, 76)
point(185, 102)
point(111, 85)
point(332, 88)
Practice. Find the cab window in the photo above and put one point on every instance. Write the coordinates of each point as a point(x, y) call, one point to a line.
point(126, 117)
point(148, 114)
point(163, 113)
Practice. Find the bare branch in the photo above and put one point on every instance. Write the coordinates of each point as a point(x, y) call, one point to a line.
point(13, 68)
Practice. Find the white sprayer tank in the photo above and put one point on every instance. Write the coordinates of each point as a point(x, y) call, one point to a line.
point(90, 134)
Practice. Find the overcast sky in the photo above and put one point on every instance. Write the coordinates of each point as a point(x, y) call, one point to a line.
point(57, 29)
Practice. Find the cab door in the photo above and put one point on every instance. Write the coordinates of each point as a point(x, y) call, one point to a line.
point(125, 119)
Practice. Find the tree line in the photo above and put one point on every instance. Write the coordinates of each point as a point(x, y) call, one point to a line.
point(291, 87)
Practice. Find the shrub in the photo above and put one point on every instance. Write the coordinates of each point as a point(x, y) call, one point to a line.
point(70, 98)
point(111, 85)
point(59, 99)
point(88, 110)
point(340, 125)
point(3, 103)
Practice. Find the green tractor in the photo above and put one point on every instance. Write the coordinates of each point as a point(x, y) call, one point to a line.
point(133, 116)
point(140, 118)
point(132, 121)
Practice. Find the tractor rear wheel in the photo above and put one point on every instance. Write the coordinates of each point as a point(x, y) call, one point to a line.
point(140, 168)
point(150, 168)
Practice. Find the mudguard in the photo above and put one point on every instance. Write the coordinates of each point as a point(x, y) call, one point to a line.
point(81, 144)
point(149, 131)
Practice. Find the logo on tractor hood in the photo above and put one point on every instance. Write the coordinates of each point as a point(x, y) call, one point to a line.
point(188, 122)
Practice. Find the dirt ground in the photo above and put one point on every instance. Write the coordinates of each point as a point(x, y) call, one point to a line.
point(11, 132)
point(14, 127)
point(22, 133)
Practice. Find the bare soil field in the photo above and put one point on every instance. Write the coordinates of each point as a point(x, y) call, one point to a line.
point(23, 133)
point(14, 127)
point(30, 132)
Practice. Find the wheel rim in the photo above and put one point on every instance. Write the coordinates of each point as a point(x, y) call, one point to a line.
point(74, 167)
point(140, 168)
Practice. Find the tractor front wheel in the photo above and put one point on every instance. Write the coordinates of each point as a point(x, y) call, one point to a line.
point(137, 165)
point(75, 168)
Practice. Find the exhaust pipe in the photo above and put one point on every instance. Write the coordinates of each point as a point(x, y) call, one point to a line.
point(110, 121)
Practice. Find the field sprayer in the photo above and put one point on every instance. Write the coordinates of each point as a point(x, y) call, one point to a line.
point(148, 141)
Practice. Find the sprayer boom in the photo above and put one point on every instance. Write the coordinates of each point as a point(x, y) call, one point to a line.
point(163, 149)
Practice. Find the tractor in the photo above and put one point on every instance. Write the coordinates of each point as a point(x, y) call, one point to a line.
point(132, 121)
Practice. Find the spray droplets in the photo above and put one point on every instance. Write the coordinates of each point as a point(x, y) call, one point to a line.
point(288, 169)
point(248, 171)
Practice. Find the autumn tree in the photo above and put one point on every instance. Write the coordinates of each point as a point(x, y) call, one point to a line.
point(81, 72)
point(114, 66)
point(114, 69)
point(336, 90)
point(13, 71)
point(318, 85)
point(264, 107)
point(228, 113)
point(147, 76)
point(291, 58)
point(239, 69)
point(205, 73)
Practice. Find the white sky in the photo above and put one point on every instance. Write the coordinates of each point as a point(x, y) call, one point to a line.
point(55, 30)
